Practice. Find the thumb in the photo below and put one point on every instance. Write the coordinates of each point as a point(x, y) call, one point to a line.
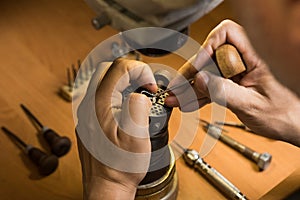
point(133, 131)
point(223, 91)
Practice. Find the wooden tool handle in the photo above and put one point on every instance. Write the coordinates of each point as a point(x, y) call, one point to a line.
point(229, 61)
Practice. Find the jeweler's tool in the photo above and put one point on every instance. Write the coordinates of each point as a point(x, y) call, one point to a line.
point(190, 81)
point(236, 125)
point(74, 71)
point(193, 159)
point(229, 63)
point(262, 160)
point(59, 145)
point(46, 164)
point(70, 85)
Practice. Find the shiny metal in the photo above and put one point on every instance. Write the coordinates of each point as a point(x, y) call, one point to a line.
point(262, 160)
point(236, 125)
point(193, 159)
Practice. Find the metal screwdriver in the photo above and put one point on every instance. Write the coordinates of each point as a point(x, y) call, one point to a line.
point(193, 159)
point(46, 164)
point(59, 145)
point(262, 160)
point(236, 125)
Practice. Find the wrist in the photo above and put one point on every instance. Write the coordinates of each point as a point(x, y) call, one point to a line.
point(101, 188)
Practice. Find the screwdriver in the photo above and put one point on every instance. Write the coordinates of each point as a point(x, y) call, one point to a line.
point(262, 160)
point(236, 125)
point(59, 145)
point(46, 164)
point(193, 159)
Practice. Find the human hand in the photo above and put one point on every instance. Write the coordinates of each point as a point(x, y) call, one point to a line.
point(124, 123)
point(256, 97)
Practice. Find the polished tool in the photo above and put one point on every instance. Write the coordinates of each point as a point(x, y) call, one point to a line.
point(59, 145)
point(262, 160)
point(46, 164)
point(193, 159)
point(228, 61)
point(236, 125)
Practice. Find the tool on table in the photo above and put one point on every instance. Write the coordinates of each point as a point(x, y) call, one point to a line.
point(46, 164)
point(228, 61)
point(262, 160)
point(67, 91)
point(59, 145)
point(236, 125)
point(193, 159)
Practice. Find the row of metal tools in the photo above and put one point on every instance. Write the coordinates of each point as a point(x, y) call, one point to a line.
point(67, 91)
point(194, 160)
point(77, 76)
point(59, 145)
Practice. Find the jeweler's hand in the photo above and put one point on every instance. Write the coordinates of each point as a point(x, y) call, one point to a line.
point(124, 123)
point(256, 97)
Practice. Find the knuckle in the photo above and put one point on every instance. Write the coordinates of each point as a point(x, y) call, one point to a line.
point(227, 23)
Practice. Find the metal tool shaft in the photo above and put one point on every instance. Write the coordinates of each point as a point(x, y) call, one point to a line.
point(262, 160)
point(236, 125)
point(193, 159)
point(14, 137)
point(190, 81)
point(31, 117)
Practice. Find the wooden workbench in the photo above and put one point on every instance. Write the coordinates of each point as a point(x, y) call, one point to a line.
point(39, 39)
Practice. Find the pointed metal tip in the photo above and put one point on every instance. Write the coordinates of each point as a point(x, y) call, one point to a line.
point(204, 121)
point(178, 145)
point(31, 117)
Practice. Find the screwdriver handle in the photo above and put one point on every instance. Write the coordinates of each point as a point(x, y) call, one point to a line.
point(246, 151)
point(216, 132)
point(46, 164)
point(219, 181)
point(193, 159)
point(59, 145)
point(229, 61)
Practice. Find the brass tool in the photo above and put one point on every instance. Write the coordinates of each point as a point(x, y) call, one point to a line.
point(262, 160)
point(193, 159)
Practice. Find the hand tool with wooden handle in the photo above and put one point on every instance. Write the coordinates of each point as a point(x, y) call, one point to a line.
point(229, 61)
point(229, 64)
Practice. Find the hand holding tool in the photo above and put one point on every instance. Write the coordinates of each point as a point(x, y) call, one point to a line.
point(59, 145)
point(46, 164)
point(228, 61)
point(193, 159)
point(262, 160)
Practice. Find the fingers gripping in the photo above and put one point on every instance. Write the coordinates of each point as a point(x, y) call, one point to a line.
point(133, 129)
point(123, 122)
point(224, 91)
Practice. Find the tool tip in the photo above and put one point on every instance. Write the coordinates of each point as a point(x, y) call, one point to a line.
point(178, 145)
